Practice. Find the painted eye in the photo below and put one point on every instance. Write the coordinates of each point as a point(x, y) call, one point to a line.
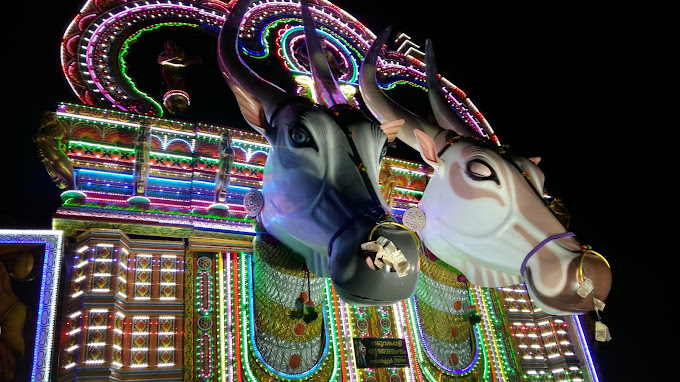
point(298, 136)
point(479, 170)
point(383, 152)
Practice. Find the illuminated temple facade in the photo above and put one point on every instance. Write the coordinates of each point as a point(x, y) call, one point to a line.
point(151, 271)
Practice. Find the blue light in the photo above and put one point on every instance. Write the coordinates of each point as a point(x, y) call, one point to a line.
point(105, 173)
point(44, 334)
point(240, 188)
point(171, 181)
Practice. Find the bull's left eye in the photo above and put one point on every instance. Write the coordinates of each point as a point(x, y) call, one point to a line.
point(477, 169)
point(298, 136)
point(383, 152)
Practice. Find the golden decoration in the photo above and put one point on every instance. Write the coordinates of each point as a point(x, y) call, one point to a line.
point(273, 319)
point(439, 324)
point(440, 273)
point(281, 258)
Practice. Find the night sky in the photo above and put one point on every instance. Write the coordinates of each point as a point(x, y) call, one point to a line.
point(552, 78)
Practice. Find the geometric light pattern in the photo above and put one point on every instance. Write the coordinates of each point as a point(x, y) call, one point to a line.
point(165, 349)
point(139, 344)
point(44, 335)
point(143, 277)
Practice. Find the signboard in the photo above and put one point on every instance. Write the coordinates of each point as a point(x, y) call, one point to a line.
point(376, 352)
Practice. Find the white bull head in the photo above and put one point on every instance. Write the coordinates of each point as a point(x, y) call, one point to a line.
point(320, 187)
point(484, 208)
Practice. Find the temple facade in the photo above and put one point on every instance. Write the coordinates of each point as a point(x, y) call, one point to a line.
point(155, 269)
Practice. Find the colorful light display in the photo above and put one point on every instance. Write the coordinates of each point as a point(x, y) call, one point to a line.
point(43, 343)
point(173, 289)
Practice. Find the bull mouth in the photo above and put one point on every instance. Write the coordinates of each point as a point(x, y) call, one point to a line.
point(357, 300)
point(356, 274)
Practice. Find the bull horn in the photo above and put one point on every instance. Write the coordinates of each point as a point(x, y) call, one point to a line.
point(234, 70)
point(443, 113)
point(325, 84)
point(384, 108)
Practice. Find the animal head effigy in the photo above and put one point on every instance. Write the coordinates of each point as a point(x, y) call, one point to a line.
point(321, 196)
point(484, 209)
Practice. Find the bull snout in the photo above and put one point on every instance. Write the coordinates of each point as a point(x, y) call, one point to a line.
point(357, 279)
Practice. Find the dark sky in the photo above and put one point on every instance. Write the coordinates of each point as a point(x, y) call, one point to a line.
point(552, 78)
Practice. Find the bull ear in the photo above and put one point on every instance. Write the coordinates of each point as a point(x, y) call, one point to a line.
point(391, 128)
point(251, 108)
point(427, 149)
point(535, 160)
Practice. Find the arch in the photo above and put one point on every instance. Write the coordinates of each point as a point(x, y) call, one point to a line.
point(208, 149)
point(178, 146)
point(119, 137)
point(87, 132)
point(156, 143)
point(240, 154)
point(258, 158)
point(417, 184)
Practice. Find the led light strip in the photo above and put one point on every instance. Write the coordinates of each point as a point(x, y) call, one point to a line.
point(44, 335)
point(221, 330)
point(251, 324)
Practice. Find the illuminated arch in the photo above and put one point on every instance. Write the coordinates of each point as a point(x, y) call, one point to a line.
point(156, 143)
point(240, 154)
point(87, 132)
point(208, 149)
point(179, 145)
point(417, 184)
point(401, 180)
point(259, 158)
point(118, 137)
point(88, 56)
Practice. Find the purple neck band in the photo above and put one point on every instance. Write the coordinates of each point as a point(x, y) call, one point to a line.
point(539, 246)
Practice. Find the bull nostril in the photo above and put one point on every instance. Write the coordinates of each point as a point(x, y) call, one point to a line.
point(387, 256)
point(370, 263)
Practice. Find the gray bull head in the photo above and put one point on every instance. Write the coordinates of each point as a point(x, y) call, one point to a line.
point(484, 208)
point(320, 186)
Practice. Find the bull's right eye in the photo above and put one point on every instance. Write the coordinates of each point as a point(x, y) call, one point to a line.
point(298, 136)
point(479, 170)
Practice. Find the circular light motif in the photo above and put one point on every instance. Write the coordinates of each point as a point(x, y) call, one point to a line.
point(294, 361)
point(253, 202)
point(299, 329)
point(204, 323)
point(414, 219)
point(204, 263)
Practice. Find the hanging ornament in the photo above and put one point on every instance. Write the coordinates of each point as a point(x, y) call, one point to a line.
point(453, 359)
point(294, 361)
point(414, 219)
point(305, 308)
point(299, 329)
point(253, 202)
point(585, 288)
point(602, 332)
